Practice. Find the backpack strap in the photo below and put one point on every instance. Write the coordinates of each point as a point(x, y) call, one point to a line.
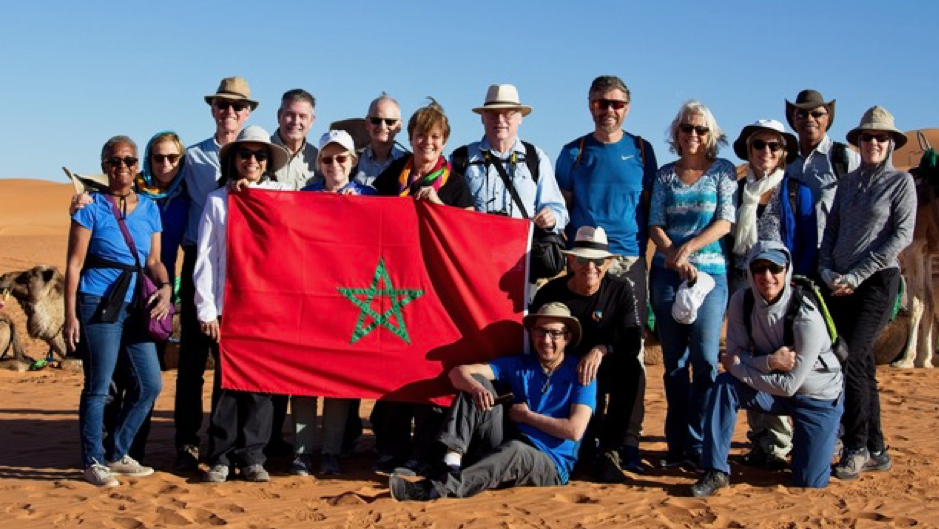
point(459, 160)
point(641, 147)
point(580, 152)
point(507, 182)
point(531, 160)
point(838, 156)
point(792, 190)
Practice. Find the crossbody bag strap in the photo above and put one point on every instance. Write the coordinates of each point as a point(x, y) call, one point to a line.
point(500, 168)
point(124, 231)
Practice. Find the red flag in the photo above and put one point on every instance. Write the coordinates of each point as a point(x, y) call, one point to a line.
point(350, 296)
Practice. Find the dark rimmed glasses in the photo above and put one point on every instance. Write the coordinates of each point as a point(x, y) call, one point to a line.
point(224, 104)
point(129, 161)
point(688, 129)
point(759, 145)
point(390, 122)
point(817, 114)
point(603, 104)
point(260, 155)
point(881, 138)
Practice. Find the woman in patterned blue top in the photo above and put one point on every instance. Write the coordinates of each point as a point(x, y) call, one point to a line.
point(692, 211)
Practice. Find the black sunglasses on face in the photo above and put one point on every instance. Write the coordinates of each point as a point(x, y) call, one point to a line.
point(584, 261)
point(223, 105)
point(881, 138)
point(259, 155)
point(762, 267)
point(129, 161)
point(759, 145)
point(688, 129)
point(340, 159)
point(602, 104)
point(387, 121)
point(817, 114)
point(160, 158)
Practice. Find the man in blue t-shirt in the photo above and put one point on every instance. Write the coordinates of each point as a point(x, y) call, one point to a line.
point(606, 178)
point(531, 439)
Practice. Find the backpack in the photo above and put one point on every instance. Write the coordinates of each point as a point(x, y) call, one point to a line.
point(460, 160)
point(804, 290)
point(838, 156)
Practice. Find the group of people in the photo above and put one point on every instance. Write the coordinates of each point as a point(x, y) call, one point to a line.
point(808, 206)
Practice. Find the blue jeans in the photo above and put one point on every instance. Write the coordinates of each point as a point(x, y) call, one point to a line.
point(694, 346)
point(100, 346)
point(815, 425)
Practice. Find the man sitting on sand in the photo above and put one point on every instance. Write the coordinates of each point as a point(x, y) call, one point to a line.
point(531, 440)
point(775, 366)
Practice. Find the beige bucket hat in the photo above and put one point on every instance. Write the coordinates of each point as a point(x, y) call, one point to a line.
point(879, 119)
point(235, 89)
point(503, 96)
point(558, 311)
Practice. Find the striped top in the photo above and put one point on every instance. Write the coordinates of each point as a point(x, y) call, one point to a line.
point(684, 211)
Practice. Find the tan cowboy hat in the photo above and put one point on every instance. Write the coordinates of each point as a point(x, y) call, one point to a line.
point(807, 100)
point(792, 144)
point(89, 183)
point(502, 96)
point(235, 89)
point(877, 118)
point(590, 242)
point(557, 311)
point(256, 134)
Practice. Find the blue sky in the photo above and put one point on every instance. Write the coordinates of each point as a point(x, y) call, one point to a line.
point(76, 73)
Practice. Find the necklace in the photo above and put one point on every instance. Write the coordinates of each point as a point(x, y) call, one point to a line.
point(548, 372)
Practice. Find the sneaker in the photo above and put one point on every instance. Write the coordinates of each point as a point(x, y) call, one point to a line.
point(128, 466)
point(100, 476)
point(187, 459)
point(404, 490)
point(218, 473)
point(608, 468)
point(255, 473)
point(414, 467)
point(386, 464)
point(302, 465)
point(711, 482)
point(329, 465)
point(630, 460)
point(878, 461)
point(851, 464)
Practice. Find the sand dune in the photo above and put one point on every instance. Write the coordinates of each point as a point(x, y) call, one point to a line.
point(40, 483)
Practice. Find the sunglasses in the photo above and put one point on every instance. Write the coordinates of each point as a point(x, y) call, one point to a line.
point(761, 268)
point(129, 161)
point(688, 129)
point(223, 105)
point(881, 138)
point(160, 158)
point(817, 114)
point(378, 121)
point(339, 158)
point(541, 332)
point(759, 145)
point(602, 104)
point(584, 261)
point(259, 155)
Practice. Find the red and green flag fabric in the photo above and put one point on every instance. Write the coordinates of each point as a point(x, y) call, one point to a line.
point(372, 297)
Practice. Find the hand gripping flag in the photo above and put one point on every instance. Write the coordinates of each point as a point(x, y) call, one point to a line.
point(374, 297)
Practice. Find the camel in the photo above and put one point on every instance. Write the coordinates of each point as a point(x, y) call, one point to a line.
point(40, 292)
point(9, 340)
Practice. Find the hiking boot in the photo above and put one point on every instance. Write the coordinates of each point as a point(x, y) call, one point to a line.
point(630, 460)
point(187, 459)
point(255, 473)
point(878, 461)
point(711, 482)
point(608, 468)
point(851, 464)
point(100, 476)
point(128, 466)
point(302, 465)
point(415, 467)
point(218, 473)
point(329, 465)
point(404, 490)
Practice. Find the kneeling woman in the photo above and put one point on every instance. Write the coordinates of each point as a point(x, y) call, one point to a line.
point(801, 379)
point(241, 421)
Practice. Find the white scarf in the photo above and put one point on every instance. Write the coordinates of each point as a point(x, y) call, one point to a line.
point(746, 214)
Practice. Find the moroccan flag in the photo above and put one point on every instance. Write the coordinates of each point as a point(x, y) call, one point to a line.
point(375, 297)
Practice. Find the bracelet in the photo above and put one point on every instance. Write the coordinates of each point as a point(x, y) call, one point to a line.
point(166, 284)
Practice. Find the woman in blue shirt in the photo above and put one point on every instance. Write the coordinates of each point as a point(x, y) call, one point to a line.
point(692, 210)
point(100, 284)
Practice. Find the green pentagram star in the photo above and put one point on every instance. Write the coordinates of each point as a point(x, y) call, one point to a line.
point(399, 298)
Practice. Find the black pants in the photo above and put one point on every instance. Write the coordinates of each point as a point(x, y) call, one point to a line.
point(391, 423)
point(240, 426)
point(495, 454)
point(193, 352)
point(859, 318)
point(620, 391)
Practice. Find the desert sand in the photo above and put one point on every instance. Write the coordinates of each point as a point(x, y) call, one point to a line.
point(41, 485)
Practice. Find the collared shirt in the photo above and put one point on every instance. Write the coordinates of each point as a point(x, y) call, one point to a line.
point(490, 194)
point(816, 172)
point(201, 174)
point(369, 167)
point(300, 170)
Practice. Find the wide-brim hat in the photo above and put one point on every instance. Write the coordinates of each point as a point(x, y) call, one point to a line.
point(590, 242)
point(807, 100)
point(88, 183)
point(559, 311)
point(235, 89)
point(256, 134)
point(771, 125)
point(501, 96)
point(877, 118)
